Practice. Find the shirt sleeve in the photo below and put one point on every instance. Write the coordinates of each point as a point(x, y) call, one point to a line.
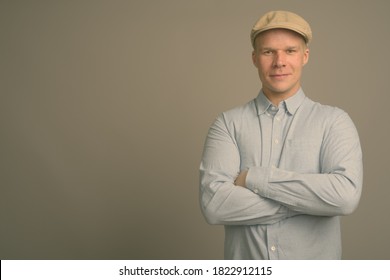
point(336, 190)
point(221, 201)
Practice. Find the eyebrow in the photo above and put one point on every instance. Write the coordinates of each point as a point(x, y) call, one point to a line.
point(272, 49)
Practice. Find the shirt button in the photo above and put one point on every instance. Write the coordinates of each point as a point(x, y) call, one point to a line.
point(278, 119)
point(273, 248)
point(256, 191)
point(273, 108)
point(276, 141)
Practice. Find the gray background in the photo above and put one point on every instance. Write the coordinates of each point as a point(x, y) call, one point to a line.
point(105, 105)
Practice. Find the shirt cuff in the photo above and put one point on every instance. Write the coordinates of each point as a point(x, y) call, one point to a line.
point(257, 180)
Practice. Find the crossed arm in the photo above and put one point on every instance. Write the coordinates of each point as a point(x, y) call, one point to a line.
point(265, 195)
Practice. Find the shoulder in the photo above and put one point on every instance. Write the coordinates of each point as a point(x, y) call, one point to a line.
point(237, 118)
point(325, 117)
point(317, 110)
point(240, 113)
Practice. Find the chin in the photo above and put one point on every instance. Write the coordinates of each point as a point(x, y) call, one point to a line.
point(284, 89)
point(280, 90)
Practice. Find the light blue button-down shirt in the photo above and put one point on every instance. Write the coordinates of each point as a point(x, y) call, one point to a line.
point(304, 165)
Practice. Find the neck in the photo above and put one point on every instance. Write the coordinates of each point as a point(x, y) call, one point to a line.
point(276, 97)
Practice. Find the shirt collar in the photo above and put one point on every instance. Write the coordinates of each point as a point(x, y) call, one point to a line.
point(292, 103)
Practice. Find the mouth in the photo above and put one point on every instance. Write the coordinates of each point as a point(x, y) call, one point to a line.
point(279, 76)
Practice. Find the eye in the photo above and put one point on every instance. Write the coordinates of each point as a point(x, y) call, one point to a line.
point(291, 51)
point(267, 52)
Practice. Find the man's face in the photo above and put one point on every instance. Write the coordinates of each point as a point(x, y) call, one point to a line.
point(279, 56)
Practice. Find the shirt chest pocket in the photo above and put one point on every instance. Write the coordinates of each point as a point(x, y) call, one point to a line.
point(301, 155)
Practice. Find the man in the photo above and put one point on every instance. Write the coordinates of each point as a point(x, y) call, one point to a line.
point(278, 171)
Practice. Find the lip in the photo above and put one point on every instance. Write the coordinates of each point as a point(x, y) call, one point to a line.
point(279, 75)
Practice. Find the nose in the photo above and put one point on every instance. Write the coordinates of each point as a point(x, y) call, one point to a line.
point(279, 60)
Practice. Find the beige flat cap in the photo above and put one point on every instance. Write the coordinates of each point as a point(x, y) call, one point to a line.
point(281, 19)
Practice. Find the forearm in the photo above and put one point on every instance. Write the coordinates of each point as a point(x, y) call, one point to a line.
point(222, 202)
point(314, 194)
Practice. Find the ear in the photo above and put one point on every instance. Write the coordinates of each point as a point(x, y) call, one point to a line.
point(254, 58)
point(306, 54)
